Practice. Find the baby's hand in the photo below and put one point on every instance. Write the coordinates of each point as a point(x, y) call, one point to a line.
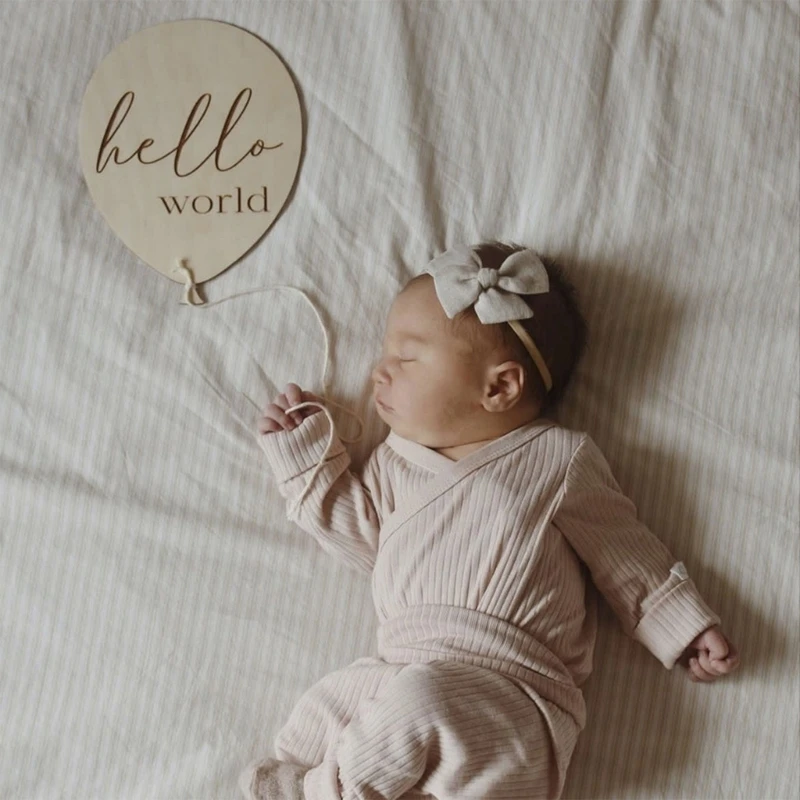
point(710, 656)
point(275, 417)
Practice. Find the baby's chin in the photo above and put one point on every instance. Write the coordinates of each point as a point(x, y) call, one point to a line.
point(395, 422)
point(384, 412)
point(388, 416)
point(405, 429)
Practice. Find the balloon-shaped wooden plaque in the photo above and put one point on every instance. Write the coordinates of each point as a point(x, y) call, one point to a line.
point(190, 140)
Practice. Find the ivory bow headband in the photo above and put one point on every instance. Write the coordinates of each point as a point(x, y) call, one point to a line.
point(461, 281)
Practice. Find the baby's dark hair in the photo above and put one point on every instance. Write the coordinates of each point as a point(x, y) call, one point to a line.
point(557, 327)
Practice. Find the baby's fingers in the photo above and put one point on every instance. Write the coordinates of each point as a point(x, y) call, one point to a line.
point(719, 666)
point(294, 395)
point(284, 401)
point(698, 672)
point(267, 425)
point(276, 413)
point(704, 668)
point(723, 666)
point(709, 667)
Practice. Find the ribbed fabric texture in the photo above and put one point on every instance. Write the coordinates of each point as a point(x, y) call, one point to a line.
point(159, 617)
point(481, 562)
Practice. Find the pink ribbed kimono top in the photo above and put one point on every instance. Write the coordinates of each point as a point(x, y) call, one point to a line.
point(485, 560)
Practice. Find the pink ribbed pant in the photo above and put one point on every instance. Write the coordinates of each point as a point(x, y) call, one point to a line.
point(374, 730)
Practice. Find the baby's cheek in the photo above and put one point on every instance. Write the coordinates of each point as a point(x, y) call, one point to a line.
point(429, 398)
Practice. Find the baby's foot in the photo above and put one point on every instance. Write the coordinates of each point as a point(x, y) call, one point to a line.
point(273, 780)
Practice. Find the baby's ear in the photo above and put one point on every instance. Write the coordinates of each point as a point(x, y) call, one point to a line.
point(505, 387)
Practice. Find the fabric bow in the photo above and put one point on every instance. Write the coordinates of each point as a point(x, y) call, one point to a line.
point(461, 280)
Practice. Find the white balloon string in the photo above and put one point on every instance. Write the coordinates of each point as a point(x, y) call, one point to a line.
point(189, 297)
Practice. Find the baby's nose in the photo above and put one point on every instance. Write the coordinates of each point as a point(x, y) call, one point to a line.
point(379, 374)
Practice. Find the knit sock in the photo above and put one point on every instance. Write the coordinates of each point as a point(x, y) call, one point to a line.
point(273, 780)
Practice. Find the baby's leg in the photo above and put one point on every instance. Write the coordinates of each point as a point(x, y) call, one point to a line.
point(319, 717)
point(452, 730)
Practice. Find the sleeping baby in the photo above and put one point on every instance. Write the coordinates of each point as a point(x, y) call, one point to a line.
point(482, 523)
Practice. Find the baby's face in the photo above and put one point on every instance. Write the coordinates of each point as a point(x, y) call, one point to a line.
point(427, 383)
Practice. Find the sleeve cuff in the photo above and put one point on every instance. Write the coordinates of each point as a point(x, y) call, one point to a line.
point(674, 622)
point(293, 452)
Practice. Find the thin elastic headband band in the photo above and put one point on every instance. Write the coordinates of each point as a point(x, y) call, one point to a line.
point(533, 350)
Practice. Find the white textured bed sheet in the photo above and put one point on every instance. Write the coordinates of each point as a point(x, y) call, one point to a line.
point(159, 616)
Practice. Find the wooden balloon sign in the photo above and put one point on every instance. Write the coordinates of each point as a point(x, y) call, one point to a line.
point(190, 140)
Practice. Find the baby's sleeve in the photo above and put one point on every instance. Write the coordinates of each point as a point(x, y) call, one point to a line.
point(651, 593)
point(340, 509)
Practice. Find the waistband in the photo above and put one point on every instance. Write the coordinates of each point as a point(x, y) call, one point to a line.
point(451, 633)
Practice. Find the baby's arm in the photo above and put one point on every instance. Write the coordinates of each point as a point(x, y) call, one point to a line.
point(652, 594)
point(340, 510)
